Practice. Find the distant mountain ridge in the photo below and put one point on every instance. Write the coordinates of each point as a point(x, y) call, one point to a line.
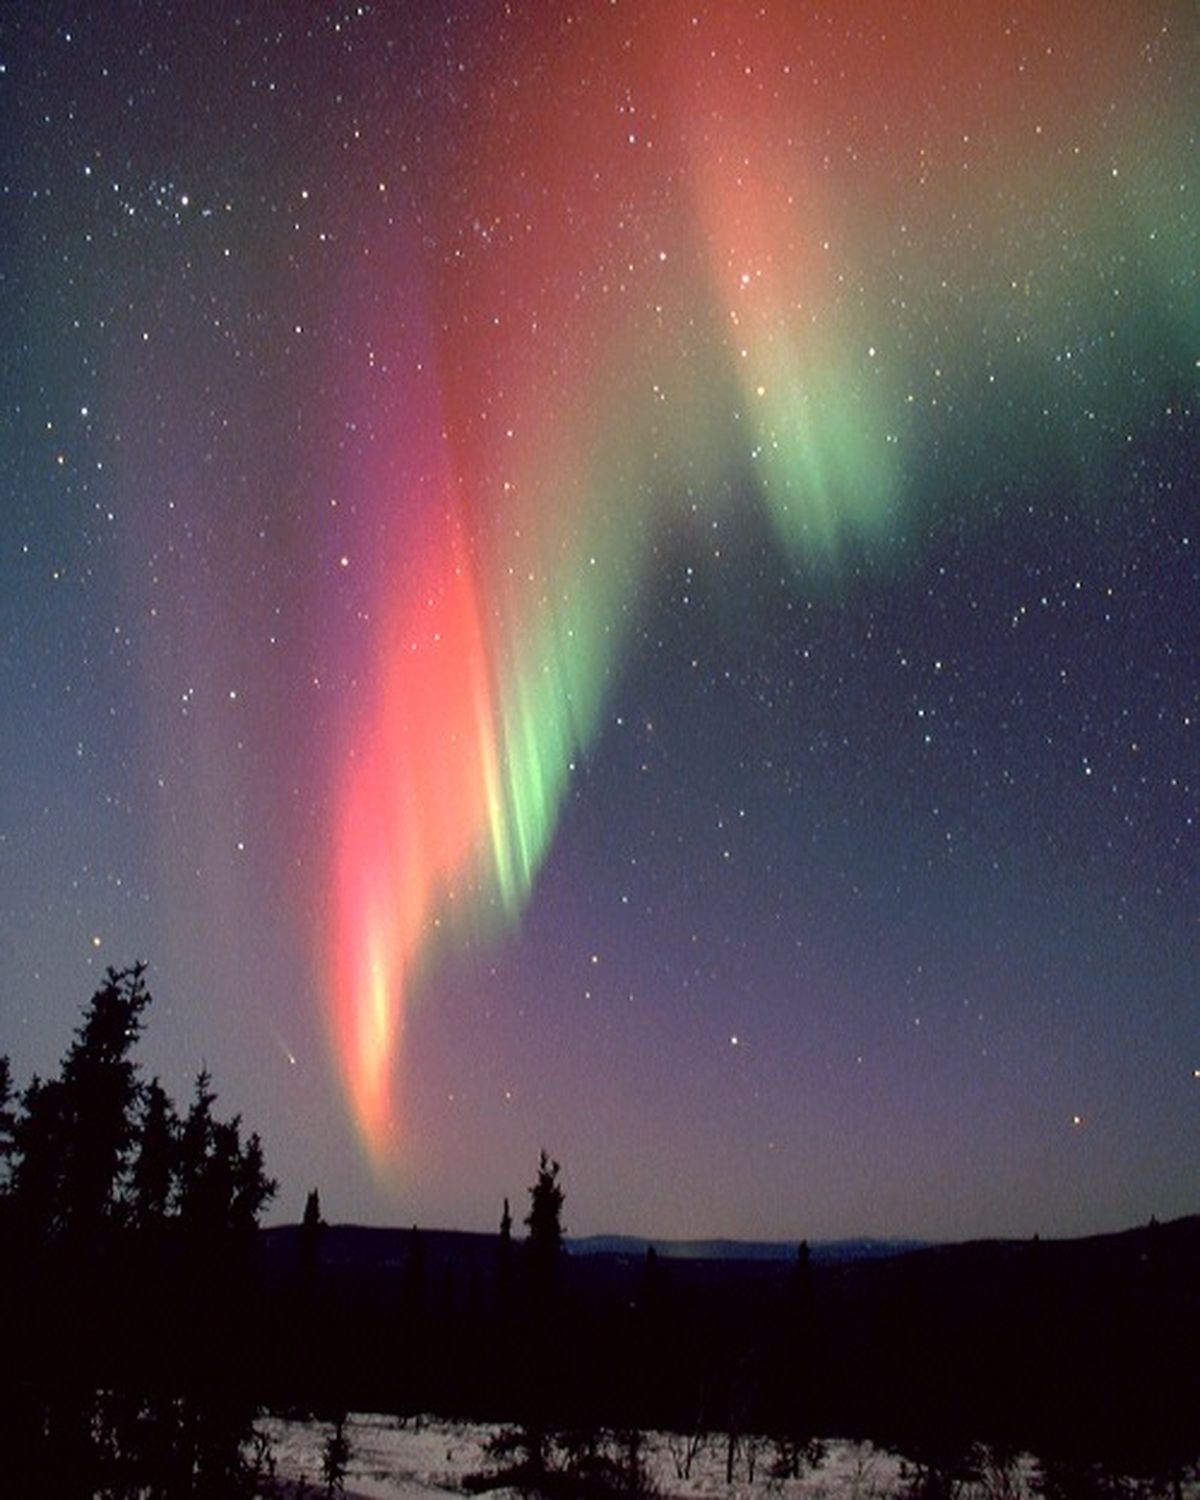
point(365, 1246)
point(758, 1250)
point(373, 1244)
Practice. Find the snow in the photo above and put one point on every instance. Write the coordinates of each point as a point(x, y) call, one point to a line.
point(390, 1458)
point(414, 1459)
point(417, 1458)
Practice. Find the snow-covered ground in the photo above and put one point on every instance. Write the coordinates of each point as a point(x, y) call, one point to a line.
point(390, 1460)
point(417, 1459)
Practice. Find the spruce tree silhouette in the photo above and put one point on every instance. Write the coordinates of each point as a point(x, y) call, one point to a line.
point(414, 1324)
point(505, 1230)
point(308, 1332)
point(99, 1097)
point(8, 1120)
point(504, 1269)
point(127, 1250)
point(74, 1135)
point(223, 1188)
point(73, 1140)
point(543, 1249)
point(152, 1178)
point(312, 1222)
point(544, 1219)
point(35, 1180)
point(8, 1126)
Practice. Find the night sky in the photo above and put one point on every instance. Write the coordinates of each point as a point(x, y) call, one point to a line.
point(615, 576)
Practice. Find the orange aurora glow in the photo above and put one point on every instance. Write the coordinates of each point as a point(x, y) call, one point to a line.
point(413, 807)
point(660, 277)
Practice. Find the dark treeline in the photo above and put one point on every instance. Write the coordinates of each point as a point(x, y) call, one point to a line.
point(128, 1238)
point(1082, 1352)
point(148, 1321)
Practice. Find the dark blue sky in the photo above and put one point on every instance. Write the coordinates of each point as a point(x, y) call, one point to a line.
point(871, 902)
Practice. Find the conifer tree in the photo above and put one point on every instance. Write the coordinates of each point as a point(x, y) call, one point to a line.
point(544, 1219)
point(8, 1120)
point(195, 1149)
point(74, 1135)
point(504, 1258)
point(252, 1188)
point(312, 1230)
point(130, 1244)
point(36, 1186)
point(99, 1095)
point(312, 1220)
point(152, 1177)
point(542, 1333)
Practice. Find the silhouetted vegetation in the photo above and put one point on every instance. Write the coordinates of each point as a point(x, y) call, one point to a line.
point(335, 1459)
point(148, 1320)
point(957, 1357)
point(128, 1249)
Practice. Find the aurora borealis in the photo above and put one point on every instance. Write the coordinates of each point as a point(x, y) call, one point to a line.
point(620, 577)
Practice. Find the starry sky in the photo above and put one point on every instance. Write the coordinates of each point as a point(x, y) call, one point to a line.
point(616, 576)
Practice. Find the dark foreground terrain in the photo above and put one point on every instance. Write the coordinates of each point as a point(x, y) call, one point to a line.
point(1076, 1350)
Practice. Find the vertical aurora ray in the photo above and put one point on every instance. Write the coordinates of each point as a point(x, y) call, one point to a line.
point(457, 770)
point(689, 243)
point(415, 796)
point(819, 434)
